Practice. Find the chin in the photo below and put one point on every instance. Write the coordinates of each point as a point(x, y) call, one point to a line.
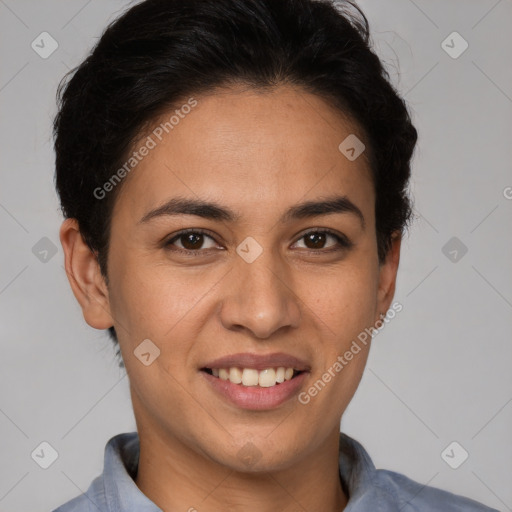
point(257, 455)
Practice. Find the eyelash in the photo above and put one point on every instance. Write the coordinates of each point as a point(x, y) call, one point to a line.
point(343, 242)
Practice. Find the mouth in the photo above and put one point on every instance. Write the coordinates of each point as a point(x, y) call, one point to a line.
point(256, 381)
point(266, 378)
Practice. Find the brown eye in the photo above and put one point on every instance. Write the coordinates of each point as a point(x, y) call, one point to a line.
point(190, 241)
point(324, 240)
point(315, 240)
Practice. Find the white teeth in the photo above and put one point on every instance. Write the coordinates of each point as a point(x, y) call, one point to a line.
point(235, 375)
point(267, 378)
point(250, 377)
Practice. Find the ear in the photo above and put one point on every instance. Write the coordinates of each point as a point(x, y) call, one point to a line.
point(84, 276)
point(387, 276)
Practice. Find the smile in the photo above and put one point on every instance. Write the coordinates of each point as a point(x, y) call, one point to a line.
point(255, 381)
point(265, 378)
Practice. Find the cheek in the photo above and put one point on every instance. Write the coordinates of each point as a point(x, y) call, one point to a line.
point(342, 308)
point(152, 301)
point(155, 303)
point(343, 301)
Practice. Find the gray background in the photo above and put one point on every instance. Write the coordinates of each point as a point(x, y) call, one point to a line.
point(439, 372)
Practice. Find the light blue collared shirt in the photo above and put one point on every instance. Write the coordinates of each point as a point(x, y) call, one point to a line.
point(368, 489)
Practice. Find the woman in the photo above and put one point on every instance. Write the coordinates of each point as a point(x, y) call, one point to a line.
point(234, 180)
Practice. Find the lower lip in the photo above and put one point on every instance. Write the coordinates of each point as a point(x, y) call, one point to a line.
point(256, 397)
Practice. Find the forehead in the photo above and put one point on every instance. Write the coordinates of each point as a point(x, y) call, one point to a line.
point(249, 149)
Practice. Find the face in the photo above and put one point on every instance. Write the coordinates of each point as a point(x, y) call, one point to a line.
point(275, 277)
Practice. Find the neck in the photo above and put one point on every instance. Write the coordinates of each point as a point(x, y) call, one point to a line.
point(176, 478)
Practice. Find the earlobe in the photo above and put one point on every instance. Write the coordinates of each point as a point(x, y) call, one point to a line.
point(85, 277)
point(387, 275)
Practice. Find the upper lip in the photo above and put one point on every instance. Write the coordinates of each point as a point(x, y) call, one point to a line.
point(258, 361)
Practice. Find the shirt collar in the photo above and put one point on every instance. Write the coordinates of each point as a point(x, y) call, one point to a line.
point(356, 469)
point(359, 479)
point(120, 470)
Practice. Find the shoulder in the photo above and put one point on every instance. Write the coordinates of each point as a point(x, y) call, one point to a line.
point(91, 501)
point(79, 504)
point(381, 489)
point(413, 496)
point(115, 483)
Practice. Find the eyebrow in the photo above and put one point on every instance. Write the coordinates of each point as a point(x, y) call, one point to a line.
point(214, 211)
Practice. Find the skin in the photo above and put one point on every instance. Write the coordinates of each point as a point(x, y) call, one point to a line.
point(257, 154)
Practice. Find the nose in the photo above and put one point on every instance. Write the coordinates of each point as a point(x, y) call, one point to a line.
point(259, 298)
